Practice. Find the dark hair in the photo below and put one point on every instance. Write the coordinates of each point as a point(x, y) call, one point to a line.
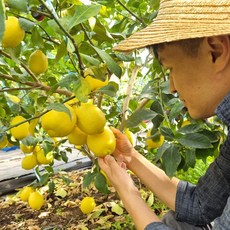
point(189, 46)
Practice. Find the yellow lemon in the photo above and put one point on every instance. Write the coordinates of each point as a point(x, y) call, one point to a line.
point(38, 62)
point(29, 162)
point(87, 205)
point(36, 200)
point(4, 142)
point(59, 124)
point(25, 193)
point(77, 137)
point(153, 144)
point(96, 83)
point(185, 122)
point(13, 98)
point(90, 119)
point(129, 135)
point(44, 159)
point(20, 131)
point(13, 34)
point(106, 178)
point(102, 144)
point(26, 149)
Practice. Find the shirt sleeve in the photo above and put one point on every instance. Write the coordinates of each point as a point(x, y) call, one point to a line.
point(201, 204)
point(223, 222)
point(157, 226)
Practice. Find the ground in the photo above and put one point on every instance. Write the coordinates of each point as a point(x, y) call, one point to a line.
point(61, 210)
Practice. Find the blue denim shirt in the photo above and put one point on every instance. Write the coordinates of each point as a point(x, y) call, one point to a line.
point(209, 200)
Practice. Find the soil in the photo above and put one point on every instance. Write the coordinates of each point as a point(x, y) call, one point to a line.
point(61, 209)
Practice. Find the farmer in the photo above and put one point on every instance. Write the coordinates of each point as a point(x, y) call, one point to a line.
point(190, 38)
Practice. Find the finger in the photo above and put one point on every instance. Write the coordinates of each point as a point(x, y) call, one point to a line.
point(116, 132)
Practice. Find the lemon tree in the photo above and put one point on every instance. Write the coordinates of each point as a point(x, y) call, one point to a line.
point(60, 78)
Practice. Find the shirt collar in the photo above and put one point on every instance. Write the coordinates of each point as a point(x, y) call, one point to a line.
point(223, 110)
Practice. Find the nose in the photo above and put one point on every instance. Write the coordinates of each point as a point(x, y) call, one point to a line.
point(171, 85)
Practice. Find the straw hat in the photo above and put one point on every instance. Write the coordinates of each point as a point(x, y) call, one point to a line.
point(182, 19)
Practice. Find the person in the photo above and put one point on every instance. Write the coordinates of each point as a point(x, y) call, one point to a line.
point(191, 39)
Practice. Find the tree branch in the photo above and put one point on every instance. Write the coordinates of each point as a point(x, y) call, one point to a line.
point(37, 85)
point(81, 67)
point(129, 94)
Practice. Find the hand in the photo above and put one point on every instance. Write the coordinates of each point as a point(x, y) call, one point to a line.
point(117, 174)
point(124, 149)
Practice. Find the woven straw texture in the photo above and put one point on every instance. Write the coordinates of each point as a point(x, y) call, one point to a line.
point(182, 19)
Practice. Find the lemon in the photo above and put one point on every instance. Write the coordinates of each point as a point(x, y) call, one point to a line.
point(59, 124)
point(185, 122)
point(153, 144)
point(36, 200)
point(44, 159)
point(26, 149)
point(87, 205)
point(96, 83)
point(25, 193)
point(102, 144)
point(29, 162)
point(13, 34)
point(3, 142)
point(77, 137)
point(90, 119)
point(129, 135)
point(106, 178)
point(13, 98)
point(20, 131)
point(38, 62)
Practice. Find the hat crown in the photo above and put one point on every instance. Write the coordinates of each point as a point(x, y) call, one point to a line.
point(182, 19)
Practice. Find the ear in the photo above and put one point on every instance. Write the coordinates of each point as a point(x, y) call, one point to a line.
point(220, 51)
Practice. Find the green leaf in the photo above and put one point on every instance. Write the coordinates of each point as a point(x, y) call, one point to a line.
point(36, 38)
point(44, 179)
point(2, 19)
point(51, 186)
point(140, 115)
point(171, 160)
point(64, 157)
point(83, 13)
point(191, 128)
point(61, 51)
point(82, 90)
point(18, 5)
point(90, 59)
point(190, 159)
point(195, 140)
point(111, 64)
point(176, 110)
point(88, 179)
point(100, 183)
point(167, 133)
point(109, 89)
point(60, 108)
point(26, 24)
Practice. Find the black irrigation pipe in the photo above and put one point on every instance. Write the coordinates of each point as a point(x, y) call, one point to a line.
point(10, 185)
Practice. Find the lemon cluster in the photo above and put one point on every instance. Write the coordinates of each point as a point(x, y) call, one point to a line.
point(85, 125)
point(35, 156)
point(34, 198)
